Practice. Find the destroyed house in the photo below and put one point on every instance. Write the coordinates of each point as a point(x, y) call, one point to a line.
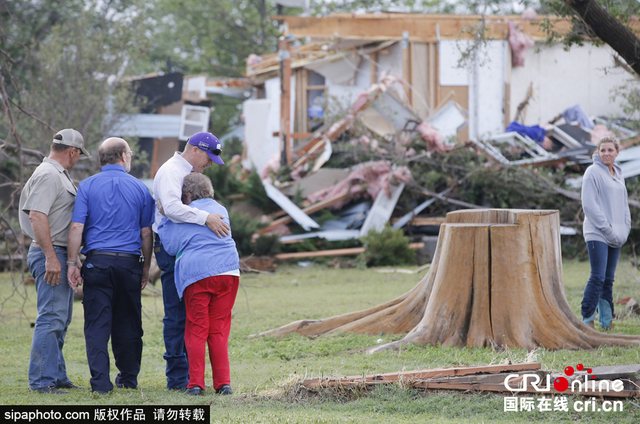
point(441, 61)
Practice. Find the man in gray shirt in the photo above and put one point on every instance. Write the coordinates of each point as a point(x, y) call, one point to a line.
point(46, 207)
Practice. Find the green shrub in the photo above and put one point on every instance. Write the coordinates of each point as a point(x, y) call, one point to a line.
point(256, 193)
point(388, 247)
point(243, 228)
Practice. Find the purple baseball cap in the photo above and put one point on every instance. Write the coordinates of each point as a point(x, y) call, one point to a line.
point(209, 143)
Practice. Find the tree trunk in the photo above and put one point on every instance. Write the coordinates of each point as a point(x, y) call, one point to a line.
point(610, 30)
point(495, 279)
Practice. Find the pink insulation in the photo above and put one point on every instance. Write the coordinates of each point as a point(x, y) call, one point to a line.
point(519, 42)
point(272, 166)
point(432, 138)
point(369, 179)
point(529, 15)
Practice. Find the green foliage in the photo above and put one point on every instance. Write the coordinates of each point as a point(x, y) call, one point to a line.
point(623, 10)
point(632, 246)
point(388, 247)
point(629, 96)
point(257, 194)
point(224, 183)
point(66, 69)
point(316, 244)
point(232, 147)
point(323, 216)
point(266, 245)
point(214, 37)
point(243, 228)
point(226, 113)
point(10, 169)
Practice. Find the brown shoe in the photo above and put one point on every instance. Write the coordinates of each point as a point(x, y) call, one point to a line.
point(592, 325)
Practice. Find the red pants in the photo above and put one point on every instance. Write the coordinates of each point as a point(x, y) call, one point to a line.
point(209, 303)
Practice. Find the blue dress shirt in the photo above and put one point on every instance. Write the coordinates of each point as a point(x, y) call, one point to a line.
point(114, 207)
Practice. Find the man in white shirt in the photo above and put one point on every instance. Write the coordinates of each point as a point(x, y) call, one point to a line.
point(201, 151)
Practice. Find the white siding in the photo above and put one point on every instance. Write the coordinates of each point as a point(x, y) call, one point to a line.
point(583, 75)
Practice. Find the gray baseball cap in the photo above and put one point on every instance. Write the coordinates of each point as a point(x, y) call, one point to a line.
point(72, 138)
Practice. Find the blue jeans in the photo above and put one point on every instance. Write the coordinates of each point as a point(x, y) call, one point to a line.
point(599, 291)
point(175, 316)
point(55, 309)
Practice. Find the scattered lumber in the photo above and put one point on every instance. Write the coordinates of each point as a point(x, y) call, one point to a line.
point(417, 221)
point(333, 252)
point(506, 378)
point(308, 210)
point(403, 271)
point(258, 264)
point(418, 375)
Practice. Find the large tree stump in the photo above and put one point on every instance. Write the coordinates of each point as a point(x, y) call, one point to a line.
point(496, 279)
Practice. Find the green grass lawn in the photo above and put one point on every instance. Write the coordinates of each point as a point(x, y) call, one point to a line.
point(264, 370)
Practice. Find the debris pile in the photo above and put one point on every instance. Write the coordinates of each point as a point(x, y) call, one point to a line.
point(380, 164)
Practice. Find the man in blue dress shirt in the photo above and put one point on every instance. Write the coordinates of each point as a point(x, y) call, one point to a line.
point(113, 216)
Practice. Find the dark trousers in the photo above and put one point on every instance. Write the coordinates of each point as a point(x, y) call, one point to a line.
point(603, 260)
point(113, 309)
point(175, 316)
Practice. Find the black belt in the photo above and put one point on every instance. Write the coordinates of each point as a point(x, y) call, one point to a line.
point(139, 258)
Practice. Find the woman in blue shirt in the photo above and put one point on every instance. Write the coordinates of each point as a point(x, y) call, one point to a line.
point(207, 276)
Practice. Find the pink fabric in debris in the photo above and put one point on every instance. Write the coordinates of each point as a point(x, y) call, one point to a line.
point(386, 81)
point(432, 138)
point(370, 179)
point(519, 42)
point(600, 131)
point(529, 15)
point(272, 165)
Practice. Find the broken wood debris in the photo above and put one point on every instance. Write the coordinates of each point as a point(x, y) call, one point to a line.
point(259, 264)
point(418, 221)
point(308, 211)
point(409, 376)
point(630, 304)
point(333, 252)
point(510, 378)
point(403, 271)
point(294, 211)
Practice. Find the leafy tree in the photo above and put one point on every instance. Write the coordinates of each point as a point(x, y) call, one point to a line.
point(213, 36)
point(611, 22)
point(64, 72)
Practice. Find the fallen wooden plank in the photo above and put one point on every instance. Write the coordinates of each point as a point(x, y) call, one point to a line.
point(419, 374)
point(403, 271)
point(294, 211)
point(334, 252)
point(308, 210)
point(418, 221)
point(497, 387)
point(329, 235)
